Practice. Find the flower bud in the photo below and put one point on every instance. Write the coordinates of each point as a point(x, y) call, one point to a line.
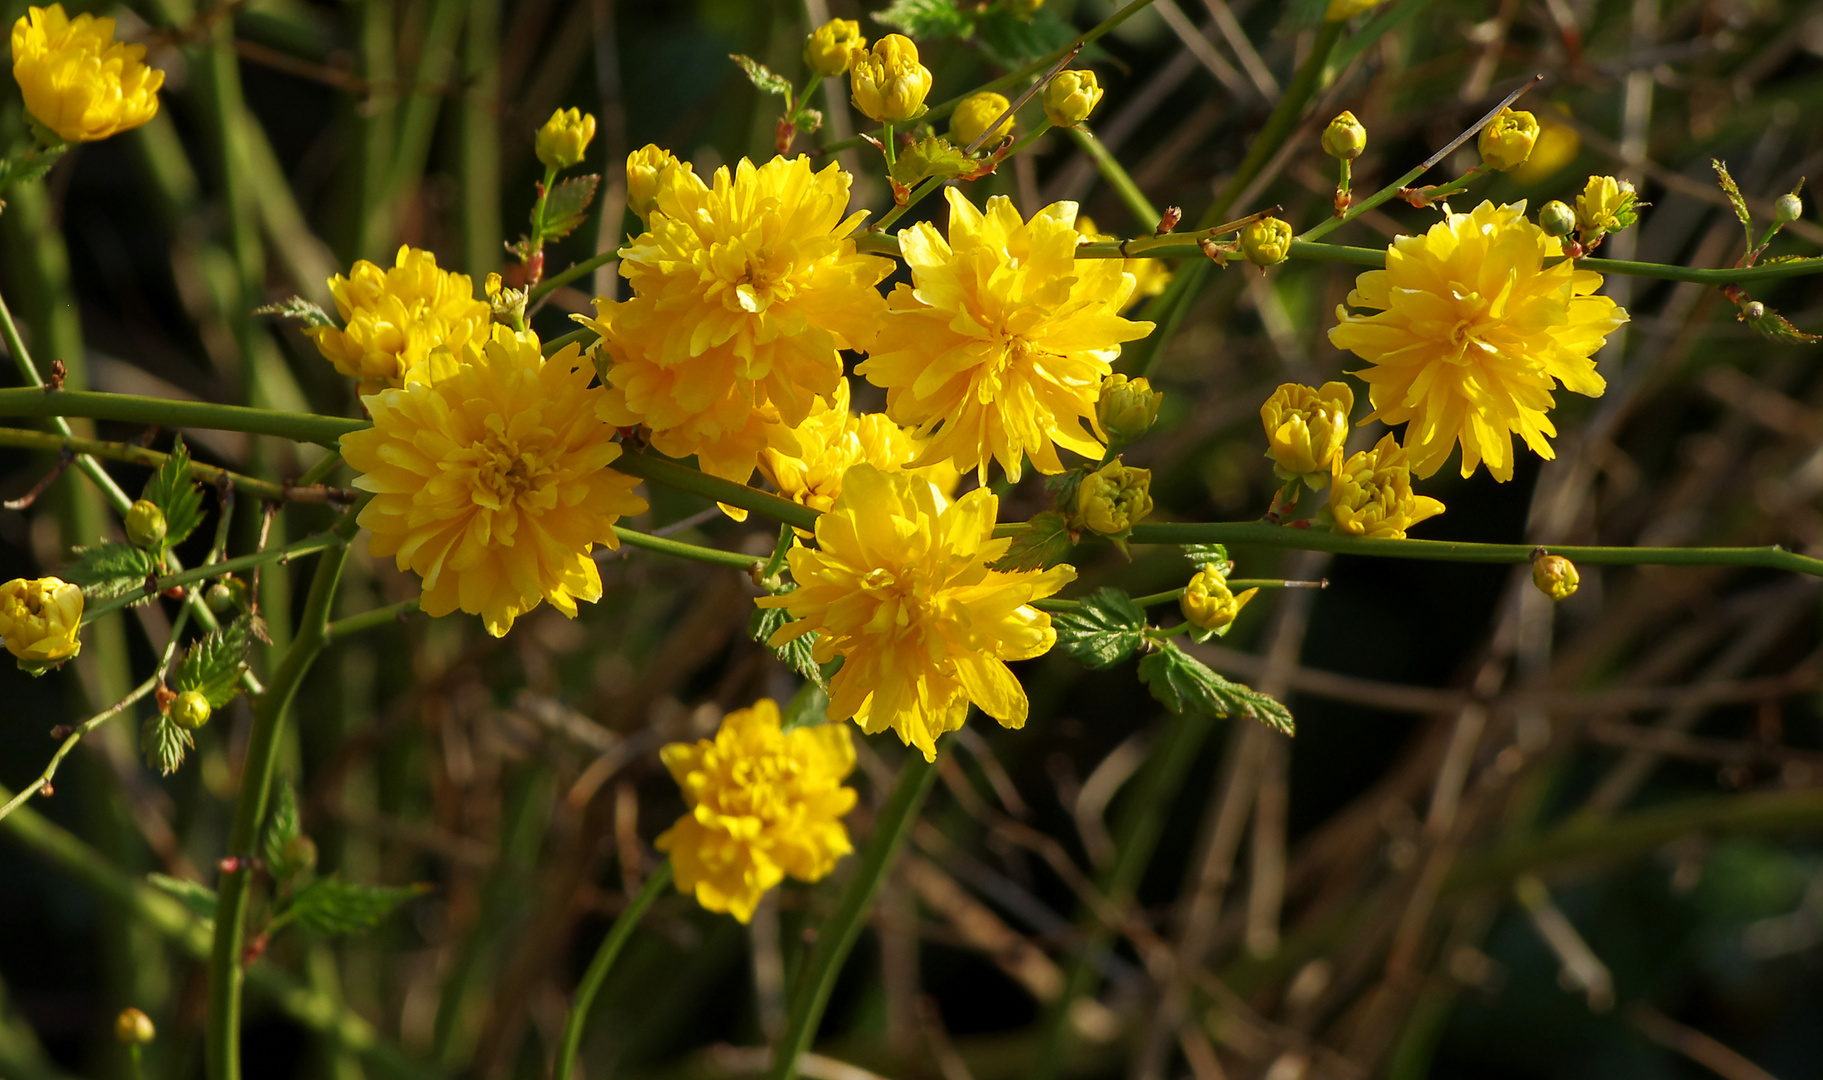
point(1070, 97)
point(1266, 242)
point(190, 710)
point(1606, 205)
point(300, 855)
point(1208, 603)
point(1555, 576)
point(974, 114)
point(77, 81)
point(831, 49)
point(646, 171)
point(1556, 218)
point(219, 598)
point(39, 621)
point(1306, 430)
point(564, 137)
point(1126, 409)
point(134, 1027)
point(1113, 498)
point(1507, 141)
point(888, 84)
point(1345, 137)
point(1788, 208)
point(145, 524)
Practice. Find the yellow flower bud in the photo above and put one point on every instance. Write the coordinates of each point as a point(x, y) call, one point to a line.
point(1345, 137)
point(1370, 494)
point(564, 137)
point(972, 117)
point(1208, 603)
point(1606, 205)
point(888, 84)
point(1306, 430)
point(39, 620)
point(1267, 242)
point(134, 1027)
point(1070, 97)
point(1340, 10)
point(831, 49)
point(1126, 409)
point(77, 80)
point(1507, 141)
point(190, 710)
point(145, 524)
point(646, 170)
point(1113, 498)
point(1555, 576)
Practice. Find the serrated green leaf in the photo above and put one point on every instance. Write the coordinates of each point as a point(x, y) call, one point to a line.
point(282, 827)
point(1775, 327)
point(299, 309)
point(1105, 630)
point(567, 205)
point(200, 899)
point(795, 653)
point(28, 166)
point(214, 664)
point(331, 906)
point(1180, 681)
point(1043, 543)
point(928, 157)
point(922, 20)
point(1065, 486)
point(1010, 41)
point(1735, 198)
point(180, 497)
point(763, 78)
point(1201, 555)
point(810, 705)
point(163, 743)
point(110, 569)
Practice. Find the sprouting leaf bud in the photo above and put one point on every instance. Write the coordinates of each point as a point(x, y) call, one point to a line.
point(1267, 242)
point(134, 1027)
point(1788, 208)
point(190, 710)
point(145, 524)
point(1345, 137)
point(831, 49)
point(1556, 218)
point(564, 137)
point(1507, 141)
point(1070, 97)
point(300, 855)
point(1127, 408)
point(1555, 576)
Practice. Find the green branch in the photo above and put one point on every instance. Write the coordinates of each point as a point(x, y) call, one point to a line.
point(306, 546)
point(694, 552)
point(683, 478)
point(134, 454)
point(367, 620)
point(134, 409)
point(623, 927)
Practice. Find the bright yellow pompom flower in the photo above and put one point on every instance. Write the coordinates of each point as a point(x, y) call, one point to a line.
point(763, 803)
point(492, 484)
point(395, 319)
point(1306, 430)
point(743, 293)
point(77, 80)
point(1370, 494)
point(888, 83)
point(898, 586)
point(1472, 335)
point(998, 347)
point(39, 619)
point(830, 440)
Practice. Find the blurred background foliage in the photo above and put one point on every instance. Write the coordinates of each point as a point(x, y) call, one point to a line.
point(1505, 842)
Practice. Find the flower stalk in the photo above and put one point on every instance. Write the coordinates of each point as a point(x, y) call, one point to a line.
point(578, 1018)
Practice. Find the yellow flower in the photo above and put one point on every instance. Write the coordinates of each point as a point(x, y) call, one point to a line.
point(831, 49)
point(1606, 205)
point(1306, 430)
point(1340, 10)
point(1127, 408)
point(1473, 334)
point(763, 803)
point(77, 80)
point(898, 586)
point(888, 84)
point(1208, 603)
point(396, 318)
point(1506, 142)
point(830, 440)
point(1000, 343)
point(1150, 276)
point(1070, 97)
point(39, 620)
point(564, 137)
point(1370, 494)
point(1113, 497)
point(1267, 242)
point(743, 293)
point(974, 114)
point(647, 169)
point(492, 484)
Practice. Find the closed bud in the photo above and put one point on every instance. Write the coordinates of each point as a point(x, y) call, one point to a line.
point(1344, 138)
point(1556, 218)
point(1113, 498)
point(1306, 430)
point(974, 114)
point(219, 598)
point(647, 168)
point(300, 855)
point(145, 524)
point(889, 84)
point(831, 49)
point(191, 710)
point(1127, 408)
point(39, 621)
point(1788, 208)
point(1207, 602)
point(134, 1028)
point(1070, 97)
point(1507, 140)
point(1753, 310)
point(564, 137)
point(1266, 242)
point(1555, 576)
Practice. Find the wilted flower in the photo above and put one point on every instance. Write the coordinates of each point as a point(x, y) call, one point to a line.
point(77, 80)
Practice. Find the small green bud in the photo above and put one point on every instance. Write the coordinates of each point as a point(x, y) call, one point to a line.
point(1345, 137)
point(190, 710)
point(134, 1027)
point(1556, 218)
point(1267, 242)
point(1555, 576)
point(300, 855)
point(1788, 208)
point(146, 524)
point(219, 598)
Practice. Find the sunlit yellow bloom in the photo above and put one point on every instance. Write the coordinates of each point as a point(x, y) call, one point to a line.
point(1000, 343)
point(1113, 498)
point(898, 586)
point(1507, 140)
point(1150, 276)
point(1348, 9)
point(1555, 576)
point(396, 318)
point(77, 80)
point(1306, 430)
point(1070, 97)
point(1370, 494)
point(1208, 603)
point(763, 803)
point(646, 171)
point(888, 83)
point(1127, 408)
point(492, 484)
point(831, 49)
point(1606, 205)
point(743, 293)
point(1267, 242)
point(39, 619)
point(564, 137)
point(830, 440)
point(1472, 334)
point(974, 114)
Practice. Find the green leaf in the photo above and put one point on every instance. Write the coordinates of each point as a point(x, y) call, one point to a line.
point(163, 743)
point(795, 653)
point(810, 705)
point(1735, 198)
point(1010, 41)
point(1043, 543)
point(200, 899)
point(1302, 15)
point(300, 309)
point(1201, 555)
point(282, 827)
point(1775, 327)
point(214, 664)
point(180, 497)
point(330, 905)
point(763, 78)
point(110, 569)
point(567, 205)
point(928, 157)
point(28, 166)
point(922, 20)
point(1105, 630)
point(1181, 681)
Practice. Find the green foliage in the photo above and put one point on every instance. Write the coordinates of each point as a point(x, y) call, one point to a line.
point(567, 206)
point(931, 156)
point(764, 622)
point(200, 899)
point(1043, 543)
point(331, 906)
point(30, 165)
point(1775, 327)
point(1735, 198)
point(213, 665)
point(1105, 630)
point(175, 493)
point(283, 828)
point(110, 569)
point(163, 743)
point(299, 309)
point(1201, 555)
point(1181, 681)
point(763, 78)
point(923, 20)
point(810, 705)
point(1010, 41)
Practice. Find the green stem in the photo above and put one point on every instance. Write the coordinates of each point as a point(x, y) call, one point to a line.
point(367, 620)
point(682, 477)
point(134, 454)
point(582, 336)
point(681, 550)
point(134, 409)
point(592, 979)
point(1116, 176)
point(555, 281)
point(837, 936)
point(306, 546)
point(69, 743)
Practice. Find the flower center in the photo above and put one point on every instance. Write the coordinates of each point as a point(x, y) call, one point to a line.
point(506, 472)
